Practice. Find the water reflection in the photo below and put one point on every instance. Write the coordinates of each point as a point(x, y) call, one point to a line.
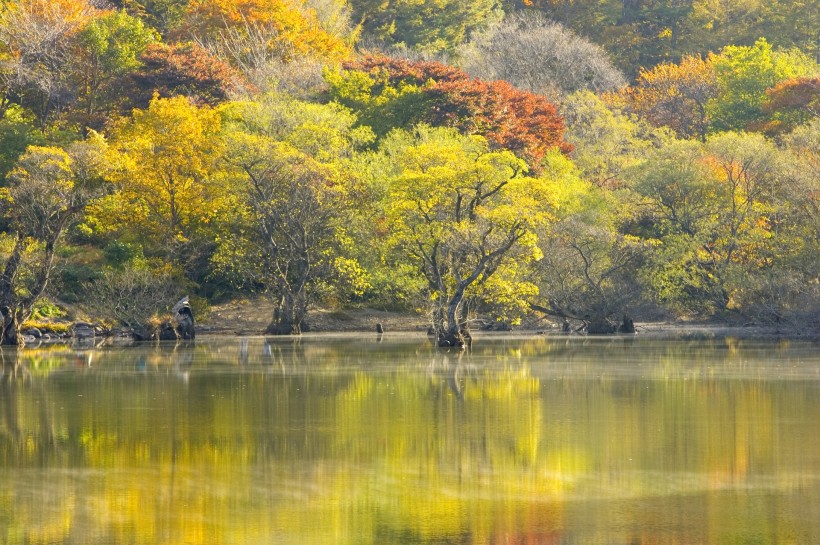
point(361, 440)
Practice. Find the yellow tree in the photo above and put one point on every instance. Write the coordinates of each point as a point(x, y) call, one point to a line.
point(167, 191)
point(288, 30)
point(463, 214)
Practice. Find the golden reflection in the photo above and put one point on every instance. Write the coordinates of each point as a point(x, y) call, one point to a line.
point(519, 441)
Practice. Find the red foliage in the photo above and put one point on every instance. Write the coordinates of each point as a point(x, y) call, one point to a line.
point(794, 94)
point(790, 103)
point(184, 69)
point(523, 122)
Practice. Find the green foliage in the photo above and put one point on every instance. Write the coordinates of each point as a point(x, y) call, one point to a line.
point(44, 309)
point(462, 214)
point(743, 76)
point(17, 132)
point(118, 253)
point(115, 42)
point(430, 26)
point(396, 93)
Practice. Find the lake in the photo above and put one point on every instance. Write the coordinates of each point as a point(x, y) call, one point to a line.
point(351, 439)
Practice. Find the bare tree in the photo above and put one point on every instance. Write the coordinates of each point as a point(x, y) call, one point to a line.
point(133, 296)
point(37, 39)
point(267, 63)
point(536, 54)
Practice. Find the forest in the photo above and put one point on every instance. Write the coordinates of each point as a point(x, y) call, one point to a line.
point(470, 161)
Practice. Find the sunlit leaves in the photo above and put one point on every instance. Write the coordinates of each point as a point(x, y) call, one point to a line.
point(462, 212)
point(675, 95)
point(291, 31)
point(167, 193)
point(743, 75)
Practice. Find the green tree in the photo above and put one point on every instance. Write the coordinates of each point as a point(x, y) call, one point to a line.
point(605, 140)
point(464, 214)
point(288, 163)
point(162, 15)
point(717, 212)
point(111, 45)
point(743, 76)
point(432, 26)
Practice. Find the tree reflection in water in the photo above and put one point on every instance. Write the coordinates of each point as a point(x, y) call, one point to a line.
point(351, 440)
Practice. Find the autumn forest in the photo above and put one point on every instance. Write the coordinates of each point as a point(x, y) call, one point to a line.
point(489, 159)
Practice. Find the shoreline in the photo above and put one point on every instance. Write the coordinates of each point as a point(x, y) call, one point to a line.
point(251, 317)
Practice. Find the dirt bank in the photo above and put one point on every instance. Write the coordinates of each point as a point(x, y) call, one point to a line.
point(251, 317)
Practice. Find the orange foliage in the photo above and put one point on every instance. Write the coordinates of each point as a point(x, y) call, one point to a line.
point(520, 121)
point(72, 12)
point(790, 103)
point(674, 95)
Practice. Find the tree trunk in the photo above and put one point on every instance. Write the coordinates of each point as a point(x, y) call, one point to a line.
point(10, 332)
point(288, 315)
point(454, 333)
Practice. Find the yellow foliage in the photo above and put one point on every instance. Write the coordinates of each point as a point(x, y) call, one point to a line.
point(296, 30)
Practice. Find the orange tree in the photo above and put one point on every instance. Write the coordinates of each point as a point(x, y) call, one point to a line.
point(674, 95)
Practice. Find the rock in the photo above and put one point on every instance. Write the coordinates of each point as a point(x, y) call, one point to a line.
point(83, 330)
point(33, 332)
point(183, 316)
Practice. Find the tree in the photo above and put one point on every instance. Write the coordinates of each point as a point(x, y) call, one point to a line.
point(162, 15)
point(717, 210)
point(675, 96)
point(288, 164)
point(291, 242)
point(17, 133)
point(168, 194)
point(589, 271)
point(743, 75)
point(389, 93)
point(183, 69)
point(290, 31)
point(267, 68)
point(463, 214)
point(111, 46)
point(37, 44)
point(605, 140)
point(430, 25)
point(791, 103)
point(49, 188)
point(533, 53)
point(681, 196)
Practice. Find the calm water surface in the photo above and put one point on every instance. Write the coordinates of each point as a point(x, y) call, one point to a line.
point(343, 439)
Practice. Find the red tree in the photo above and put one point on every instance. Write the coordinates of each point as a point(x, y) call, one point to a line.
point(184, 69)
point(523, 122)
